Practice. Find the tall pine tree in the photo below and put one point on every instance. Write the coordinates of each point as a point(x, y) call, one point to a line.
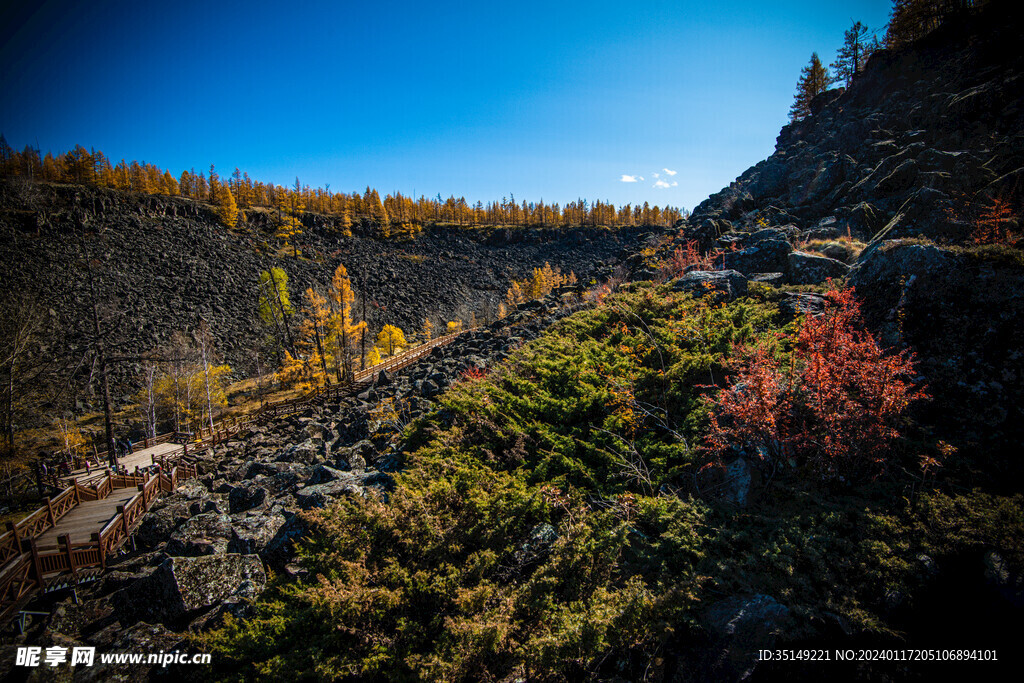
point(814, 80)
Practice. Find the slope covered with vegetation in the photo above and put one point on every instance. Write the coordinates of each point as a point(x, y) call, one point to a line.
point(566, 516)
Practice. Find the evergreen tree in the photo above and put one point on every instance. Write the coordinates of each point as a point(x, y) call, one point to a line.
point(853, 55)
point(814, 80)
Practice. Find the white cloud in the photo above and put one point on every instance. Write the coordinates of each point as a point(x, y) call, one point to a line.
point(669, 171)
point(661, 184)
point(656, 175)
point(630, 178)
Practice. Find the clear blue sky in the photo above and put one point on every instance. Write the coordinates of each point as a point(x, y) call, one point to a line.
point(552, 100)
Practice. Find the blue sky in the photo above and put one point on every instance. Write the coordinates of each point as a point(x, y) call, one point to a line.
point(552, 100)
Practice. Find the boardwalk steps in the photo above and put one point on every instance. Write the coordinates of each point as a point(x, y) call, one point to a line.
point(31, 564)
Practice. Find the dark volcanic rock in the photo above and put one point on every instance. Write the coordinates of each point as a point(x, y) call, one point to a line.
point(726, 284)
point(183, 585)
point(810, 269)
point(765, 256)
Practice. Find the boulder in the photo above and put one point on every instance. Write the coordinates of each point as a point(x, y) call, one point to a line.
point(183, 585)
point(246, 496)
point(802, 304)
point(205, 534)
point(811, 269)
point(886, 263)
point(723, 284)
point(251, 535)
point(320, 495)
point(764, 257)
point(740, 627)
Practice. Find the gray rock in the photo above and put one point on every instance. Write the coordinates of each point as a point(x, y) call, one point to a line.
point(802, 304)
point(251, 535)
point(810, 269)
point(246, 496)
point(725, 284)
point(741, 626)
point(204, 534)
point(773, 279)
point(764, 257)
point(321, 495)
point(181, 585)
point(322, 474)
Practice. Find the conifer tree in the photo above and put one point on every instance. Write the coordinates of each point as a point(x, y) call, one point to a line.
point(170, 184)
point(228, 211)
point(853, 55)
point(344, 330)
point(275, 308)
point(814, 80)
point(286, 232)
point(428, 329)
point(314, 331)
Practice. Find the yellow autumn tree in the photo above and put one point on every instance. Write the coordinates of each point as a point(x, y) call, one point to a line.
point(313, 334)
point(391, 340)
point(170, 184)
point(228, 210)
point(427, 330)
point(287, 230)
point(454, 326)
point(344, 330)
point(372, 357)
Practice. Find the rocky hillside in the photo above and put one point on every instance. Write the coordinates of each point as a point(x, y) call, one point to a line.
point(203, 551)
point(166, 264)
point(886, 184)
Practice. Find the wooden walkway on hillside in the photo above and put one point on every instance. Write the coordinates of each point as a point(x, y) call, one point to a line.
point(85, 519)
point(70, 538)
point(141, 458)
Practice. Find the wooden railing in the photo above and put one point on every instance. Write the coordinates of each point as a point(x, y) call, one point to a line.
point(26, 566)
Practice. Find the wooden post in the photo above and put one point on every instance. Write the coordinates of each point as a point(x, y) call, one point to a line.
point(49, 508)
point(37, 565)
point(65, 541)
point(124, 522)
point(13, 528)
point(95, 537)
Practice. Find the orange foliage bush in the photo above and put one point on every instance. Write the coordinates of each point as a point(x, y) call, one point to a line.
point(836, 411)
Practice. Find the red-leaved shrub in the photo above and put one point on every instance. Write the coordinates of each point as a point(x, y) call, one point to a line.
point(836, 410)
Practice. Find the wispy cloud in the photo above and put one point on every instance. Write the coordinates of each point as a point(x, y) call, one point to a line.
point(662, 179)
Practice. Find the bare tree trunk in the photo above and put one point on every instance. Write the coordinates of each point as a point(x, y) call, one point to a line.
point(206, 377)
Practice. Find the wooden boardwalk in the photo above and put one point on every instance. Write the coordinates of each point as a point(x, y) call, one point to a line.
point(70, 538)
point(141, 458)
point(85, 519)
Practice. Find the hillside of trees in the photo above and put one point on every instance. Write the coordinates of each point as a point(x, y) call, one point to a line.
point(393, 216)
